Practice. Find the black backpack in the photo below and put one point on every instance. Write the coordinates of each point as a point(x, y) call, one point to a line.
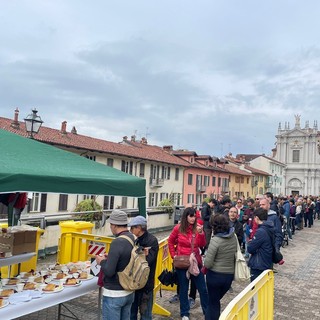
point(276, 254)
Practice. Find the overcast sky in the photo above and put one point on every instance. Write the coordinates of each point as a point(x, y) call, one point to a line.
point(209, 76)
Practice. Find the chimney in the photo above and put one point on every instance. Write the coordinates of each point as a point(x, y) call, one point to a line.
point(74, 130)
point(15, 123)
point(64, 127)
point(144, 140)
point(125, 138)
point(133, 138)
point(167, 148)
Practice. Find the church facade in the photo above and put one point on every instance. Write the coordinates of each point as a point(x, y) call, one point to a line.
point(299, 149)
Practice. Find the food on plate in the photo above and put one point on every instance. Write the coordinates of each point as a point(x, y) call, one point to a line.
point(60, 275)
point(83, 275)
point(73, 270)
point(1, 302)
point(39, 279)
point(7, 292)
point(13, 282)
point(29, 286)
point(50, 287)
point(71, 281)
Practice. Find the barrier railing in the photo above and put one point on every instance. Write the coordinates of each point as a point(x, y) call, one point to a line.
point(256, 301)
point(75, 246)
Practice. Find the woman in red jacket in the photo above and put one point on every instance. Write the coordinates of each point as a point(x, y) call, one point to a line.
point(180, 243)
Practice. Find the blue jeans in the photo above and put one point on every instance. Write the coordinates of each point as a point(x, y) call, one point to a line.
point(183, 291)
point(117, 308)
point(218, 284)
point(143, 302)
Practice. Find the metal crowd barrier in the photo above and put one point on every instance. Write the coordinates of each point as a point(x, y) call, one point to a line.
point(75, 246)
point(256, 301)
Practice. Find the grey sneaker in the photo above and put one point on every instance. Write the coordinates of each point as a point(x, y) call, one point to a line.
point(174, 299)
point(185, 318)
point(192, 303)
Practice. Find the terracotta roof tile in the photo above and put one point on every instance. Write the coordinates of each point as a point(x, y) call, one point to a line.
point(236, 170)
point(134, 150)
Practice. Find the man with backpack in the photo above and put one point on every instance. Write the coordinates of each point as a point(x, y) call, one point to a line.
point(143, 299)
point(116, 300)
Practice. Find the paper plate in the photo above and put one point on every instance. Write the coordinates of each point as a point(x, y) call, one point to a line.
point(72, 285)
point(57, 289)
point(90, 276)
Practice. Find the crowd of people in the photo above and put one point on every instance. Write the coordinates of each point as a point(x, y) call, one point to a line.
point(211, 233)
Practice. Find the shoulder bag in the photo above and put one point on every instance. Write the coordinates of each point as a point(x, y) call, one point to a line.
point(183, 261)
point(241, 270)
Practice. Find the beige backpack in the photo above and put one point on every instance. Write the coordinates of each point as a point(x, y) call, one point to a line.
point(135, 274)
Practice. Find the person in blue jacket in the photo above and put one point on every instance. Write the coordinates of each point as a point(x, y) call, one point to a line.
point(261, 245)
point(272, 216)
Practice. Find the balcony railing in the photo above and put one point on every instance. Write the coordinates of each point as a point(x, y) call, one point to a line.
point(156, 182)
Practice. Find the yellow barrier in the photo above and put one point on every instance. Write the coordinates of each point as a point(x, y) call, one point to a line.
point(75, 246)
point(254, 302)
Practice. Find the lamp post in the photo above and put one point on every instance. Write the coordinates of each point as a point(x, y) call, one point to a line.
point(33, 123)
point(275, 182)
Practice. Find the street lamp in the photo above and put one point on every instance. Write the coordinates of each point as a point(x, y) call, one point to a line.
point(275, 182)
point(33, 123)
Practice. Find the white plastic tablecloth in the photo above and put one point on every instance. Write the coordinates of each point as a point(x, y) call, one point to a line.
point(47, 300)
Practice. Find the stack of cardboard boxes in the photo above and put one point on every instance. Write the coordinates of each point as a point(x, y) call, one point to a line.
point(17, 240)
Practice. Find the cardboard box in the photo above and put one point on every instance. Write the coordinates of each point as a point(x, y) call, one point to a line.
point(18, 242)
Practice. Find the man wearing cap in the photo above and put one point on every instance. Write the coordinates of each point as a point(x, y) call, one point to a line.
point(143, 298)
point(116, 301)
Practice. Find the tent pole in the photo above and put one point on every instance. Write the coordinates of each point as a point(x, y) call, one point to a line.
point(142, 206)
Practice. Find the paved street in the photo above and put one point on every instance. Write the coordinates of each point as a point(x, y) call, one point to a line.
point(297, 286)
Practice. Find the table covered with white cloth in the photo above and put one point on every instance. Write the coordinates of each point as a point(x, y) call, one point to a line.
point(47, 300)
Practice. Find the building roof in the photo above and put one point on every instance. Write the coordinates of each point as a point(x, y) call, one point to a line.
point(235, 170)
point(257, 171)
point(250, 157)
point(71, 139)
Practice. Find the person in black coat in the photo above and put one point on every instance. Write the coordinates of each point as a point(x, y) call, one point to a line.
point(206, 213)
point(143, 298)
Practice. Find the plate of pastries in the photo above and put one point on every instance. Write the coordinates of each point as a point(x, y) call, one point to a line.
point(52, 288)
point(72, 282)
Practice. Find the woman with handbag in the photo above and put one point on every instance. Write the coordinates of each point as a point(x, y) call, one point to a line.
point(220, 262)
point(185, 240)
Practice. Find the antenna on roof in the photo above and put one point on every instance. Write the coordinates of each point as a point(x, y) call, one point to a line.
point(147, 133)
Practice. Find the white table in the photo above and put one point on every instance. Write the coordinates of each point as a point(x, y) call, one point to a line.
point(47, 300)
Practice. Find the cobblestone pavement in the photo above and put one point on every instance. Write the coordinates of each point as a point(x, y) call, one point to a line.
point(297, 284)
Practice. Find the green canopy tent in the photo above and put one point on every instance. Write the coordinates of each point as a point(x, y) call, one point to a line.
point(27, 165)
